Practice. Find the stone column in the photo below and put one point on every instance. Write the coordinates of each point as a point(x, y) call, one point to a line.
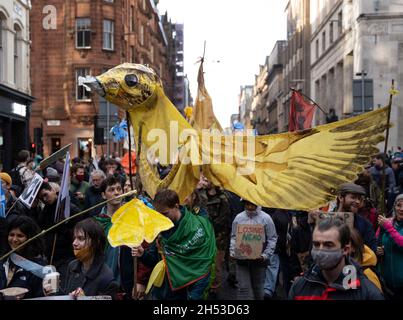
point(348, 75)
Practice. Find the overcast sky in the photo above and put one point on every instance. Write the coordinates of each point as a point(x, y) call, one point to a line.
point(239, 34)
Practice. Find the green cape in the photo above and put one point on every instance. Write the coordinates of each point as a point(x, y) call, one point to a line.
point(189, 252)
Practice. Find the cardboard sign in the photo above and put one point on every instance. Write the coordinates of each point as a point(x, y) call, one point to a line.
point(317, 216)
point(249, 241)
point(54, 156)
point(29, 194)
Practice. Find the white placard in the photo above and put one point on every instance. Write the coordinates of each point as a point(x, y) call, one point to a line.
point(29, 194)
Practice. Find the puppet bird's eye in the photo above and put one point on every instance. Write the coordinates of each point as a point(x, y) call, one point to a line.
point(131, 80)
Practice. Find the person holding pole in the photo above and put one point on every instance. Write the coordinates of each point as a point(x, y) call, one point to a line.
point(58, 242)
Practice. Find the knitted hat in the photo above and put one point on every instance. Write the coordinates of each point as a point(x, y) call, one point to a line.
point(6, 177)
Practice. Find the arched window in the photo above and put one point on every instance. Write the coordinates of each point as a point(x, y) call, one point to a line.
point(17, 55)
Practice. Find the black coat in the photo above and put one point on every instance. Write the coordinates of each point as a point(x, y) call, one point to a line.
point(64, 240)
point(312, 286)
point(98, 280)
point(23, 279)
point(282, 221)
point(3, 236)
point(93, 196)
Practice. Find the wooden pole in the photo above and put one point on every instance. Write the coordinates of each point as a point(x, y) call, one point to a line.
point(385, 150)
point(64, 221)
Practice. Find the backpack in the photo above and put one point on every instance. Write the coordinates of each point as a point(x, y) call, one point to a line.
point(16, 177)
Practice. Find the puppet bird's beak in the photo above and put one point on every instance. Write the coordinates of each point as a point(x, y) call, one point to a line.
point(92, 83)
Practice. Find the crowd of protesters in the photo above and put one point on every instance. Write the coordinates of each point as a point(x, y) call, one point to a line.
point(300, 259)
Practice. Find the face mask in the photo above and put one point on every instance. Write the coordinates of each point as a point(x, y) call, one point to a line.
point(83, 254)
point(326, 259)
point(80, 178)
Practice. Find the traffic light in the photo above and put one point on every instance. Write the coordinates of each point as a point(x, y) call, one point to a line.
point(38, 143)
point(33, 148)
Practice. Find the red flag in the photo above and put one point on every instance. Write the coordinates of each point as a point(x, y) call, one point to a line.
point(301, 113)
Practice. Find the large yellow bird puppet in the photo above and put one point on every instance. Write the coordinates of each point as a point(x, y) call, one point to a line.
point(293, 170)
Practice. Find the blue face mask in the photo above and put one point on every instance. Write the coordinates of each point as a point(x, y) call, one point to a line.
point(327, 259)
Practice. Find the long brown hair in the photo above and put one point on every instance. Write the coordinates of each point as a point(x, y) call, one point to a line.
point(357, 245)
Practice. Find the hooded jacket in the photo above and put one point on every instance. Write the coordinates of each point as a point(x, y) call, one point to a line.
point(313, 286)
point(369, 262)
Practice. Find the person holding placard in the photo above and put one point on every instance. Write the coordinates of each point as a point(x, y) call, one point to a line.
point(351, 199)
point(253, 241)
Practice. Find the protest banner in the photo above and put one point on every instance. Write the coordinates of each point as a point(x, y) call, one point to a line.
point(317, 216)
point(249, 241)
point(30, 193)
point(53, 157)
point(3, 203)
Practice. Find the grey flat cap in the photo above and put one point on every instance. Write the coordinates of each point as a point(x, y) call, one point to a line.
point(351, 188)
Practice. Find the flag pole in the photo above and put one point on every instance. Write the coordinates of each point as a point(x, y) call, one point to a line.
point(385, 150)
point(134, 291)
point(311, 100)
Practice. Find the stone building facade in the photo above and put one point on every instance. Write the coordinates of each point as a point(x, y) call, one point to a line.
point(356, 50)
point(15, 90)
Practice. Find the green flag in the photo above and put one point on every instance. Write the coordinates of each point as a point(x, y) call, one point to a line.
point(190, 251)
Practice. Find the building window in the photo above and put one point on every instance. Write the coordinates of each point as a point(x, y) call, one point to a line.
point(17, 54)
point(317, 48)
point(108, 35)
point(131, 18)
point(340, 23)
point(363, 95)
point(142, 35)
point(81, 92)
point(109, 1)
point(331, 32)
point(83, 33)
point(323, 41)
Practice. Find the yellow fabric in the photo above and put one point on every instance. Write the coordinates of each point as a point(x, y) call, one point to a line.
point(293, 170)
point(369, 260)
point(188, 112)
point(134, 222)
point(157, 276)
point(203, 114)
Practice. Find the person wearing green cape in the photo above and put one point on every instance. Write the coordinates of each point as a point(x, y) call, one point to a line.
point(188, 251)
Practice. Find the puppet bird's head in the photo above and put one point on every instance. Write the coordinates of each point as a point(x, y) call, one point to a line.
point(127, 85)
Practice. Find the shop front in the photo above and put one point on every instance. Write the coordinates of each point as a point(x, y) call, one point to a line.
point(14, 125)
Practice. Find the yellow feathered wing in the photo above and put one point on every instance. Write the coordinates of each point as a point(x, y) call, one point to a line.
point(302, 170)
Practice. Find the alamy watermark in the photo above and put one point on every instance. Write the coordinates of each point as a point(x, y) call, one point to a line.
point(199, 148)
point(49, 22)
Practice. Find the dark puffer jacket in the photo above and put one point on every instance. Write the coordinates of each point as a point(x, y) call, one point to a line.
point(313, 286)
